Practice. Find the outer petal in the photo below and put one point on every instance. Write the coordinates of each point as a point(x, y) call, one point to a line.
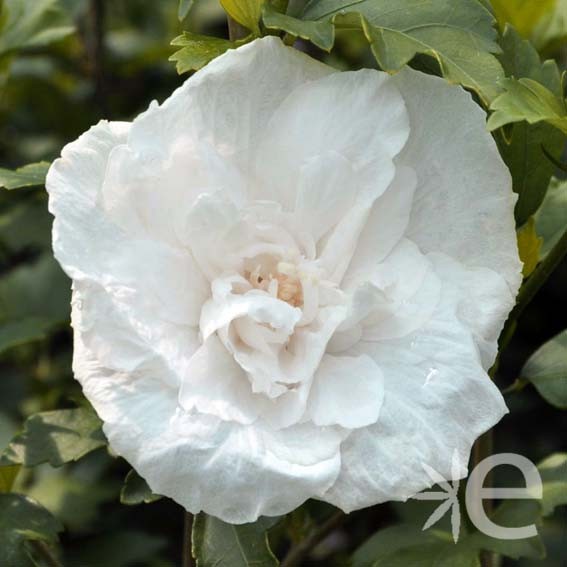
point(235, 472)
point(438, 399)
point(464, 203)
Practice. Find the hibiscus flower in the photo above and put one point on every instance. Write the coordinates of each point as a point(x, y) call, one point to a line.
point(288, 282)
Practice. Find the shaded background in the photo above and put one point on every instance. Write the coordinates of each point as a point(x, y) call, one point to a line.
point(112, 67)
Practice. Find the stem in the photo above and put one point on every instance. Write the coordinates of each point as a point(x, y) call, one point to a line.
point(235, 30)
point(187, 530)
point(303, 548)
point(45, 552)
point(95, 51)
point(532, 286)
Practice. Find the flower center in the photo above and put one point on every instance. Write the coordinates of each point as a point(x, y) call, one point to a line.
point(283, 282)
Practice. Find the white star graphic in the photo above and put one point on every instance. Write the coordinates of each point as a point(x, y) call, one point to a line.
point(449, 495)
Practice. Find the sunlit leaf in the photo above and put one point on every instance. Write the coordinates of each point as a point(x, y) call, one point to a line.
point(530, 101)
point(553, 471)
point(551, 217)
point(32, 23)
point(546, 369)
point(197, 50)
point(136, 490)
point(218, 544)
point(27, 176)
point(550, 31)
point(21, 520)
point(459, 34)
point(245, 12)
point(524, 15)
point(55, 437)
point(523, 148)
point(529, 245)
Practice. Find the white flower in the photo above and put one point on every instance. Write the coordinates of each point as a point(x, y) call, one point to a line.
point(289, 282)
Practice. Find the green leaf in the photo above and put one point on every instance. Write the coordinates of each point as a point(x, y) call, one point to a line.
point(459, 34)
point(524, 15)
point(32, 23)
point(27, 176)
point(530, 101)
point(197, 50)
point(546, 369)
point(21, 520)
point(245, 12)
point(218, 544)
point(512, 513)
point(136, 490)
point(407, 544)
point(34, 299)
point(55, 437)
point(8, 476)
point(321, 34)
point(184, 8)
point(550, 31)
point(523, 149)
point(553, 472)
point(529, 245)
point(551, 217)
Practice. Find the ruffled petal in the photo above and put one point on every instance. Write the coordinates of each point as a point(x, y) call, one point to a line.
point(438, 399)
point(464, 203)
point(347, 391)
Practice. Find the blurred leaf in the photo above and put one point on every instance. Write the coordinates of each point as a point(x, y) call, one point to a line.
point(125, 548)
point(522, 14)
point(529, 245)
point(546, 369)
point(526, 99)
point(523, 151)
point(183, 10)
point(56, 437)
point(245, 12)
point(321, 34)
point(22, 519)
point(405, 544)
point(74, 501)
point(551, 29)
point(136, 490)
point(218, 544)
point(33, 299)
point(198, 50)
point(551, 217)
point(29, 175)
point(553, 472)
point(459, 34)
point(32, 23)
point(7, 477)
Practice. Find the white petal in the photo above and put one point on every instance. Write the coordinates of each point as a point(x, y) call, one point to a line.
point(327, 188)
point(347, 391)
point(464, 202)
point(438, 399)
point(386, 224)
point(333, 114)
point(215, 384)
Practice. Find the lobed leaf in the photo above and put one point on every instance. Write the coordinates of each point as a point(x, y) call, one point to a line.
point(55, 437)
point(218, 544)
point(530, 101)
point(30, 175)
point(553, 471)
point(459, 34)
point(197, 50)
point(245, 12)
point(136, 490)
point(546, 369)
point(529, 246)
